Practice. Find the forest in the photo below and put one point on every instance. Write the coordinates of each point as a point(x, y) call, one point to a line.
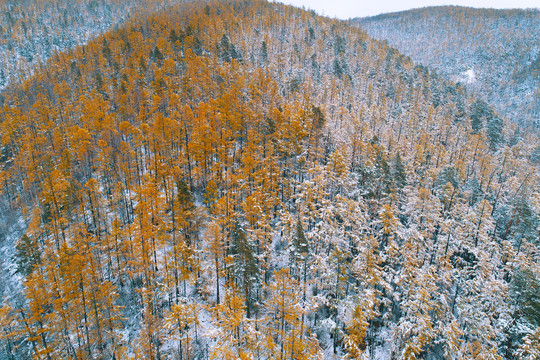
point(493, 52)
point(242, 179)
point(31, 31)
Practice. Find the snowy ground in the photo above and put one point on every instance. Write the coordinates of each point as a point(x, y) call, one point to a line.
point(10, 281)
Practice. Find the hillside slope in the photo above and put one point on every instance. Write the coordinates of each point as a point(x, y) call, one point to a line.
point(31, 31)
point(494, 53)
point(243, 179)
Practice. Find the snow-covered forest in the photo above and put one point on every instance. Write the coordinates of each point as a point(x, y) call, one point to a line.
point(247, 180)
point(495, 53)
point(31, 31)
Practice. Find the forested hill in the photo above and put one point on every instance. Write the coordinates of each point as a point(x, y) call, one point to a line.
point(31, 31)
point(247, 180)
point(494, 53)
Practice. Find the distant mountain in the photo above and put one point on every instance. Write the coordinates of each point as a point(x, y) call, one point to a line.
point(495, 53)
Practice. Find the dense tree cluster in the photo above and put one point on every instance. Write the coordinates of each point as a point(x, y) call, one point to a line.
point(31, 31)
point(247, 180)
point(494, 53)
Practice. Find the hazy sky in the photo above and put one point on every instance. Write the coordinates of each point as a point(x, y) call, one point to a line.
point(345, 9)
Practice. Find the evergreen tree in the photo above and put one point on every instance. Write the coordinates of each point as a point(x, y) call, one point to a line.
point(245, 269)
point(264, 53)
point(494, 131)
point(28, 255)
point(398, 172)
point(479, 111)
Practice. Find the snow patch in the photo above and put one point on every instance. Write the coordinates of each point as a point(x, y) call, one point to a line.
point(468, 77)
point(469, 74)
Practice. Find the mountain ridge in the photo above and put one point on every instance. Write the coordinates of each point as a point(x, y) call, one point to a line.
point(497, 46)
point(484, 11)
